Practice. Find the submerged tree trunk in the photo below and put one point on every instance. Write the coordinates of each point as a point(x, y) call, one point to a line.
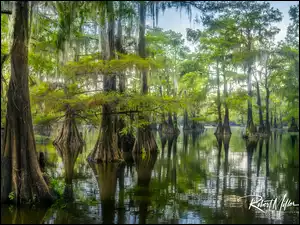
point(20, 170)
point(219, 129)
point(145, 139)
point(226, 126)
point(261, 128)
point(106, 148)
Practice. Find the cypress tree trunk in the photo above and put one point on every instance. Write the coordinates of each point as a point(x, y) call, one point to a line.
point(293, 127)
point(275, 117)
point(69, 135)
point(185, 121)
point(185, 118)
point(106, 148)
point(169, 127)
point(185, 142)
point(145, 138)
point(261, 128)
point(170, 120)
point(250, 129)
point(275, 121)
point(175, 121)
point(271, 118)
point(125, 141)
point(268, 127)
point(219, 129)
point(20, 170)
point(280, 120)
point(226, 126)
point(163, 114)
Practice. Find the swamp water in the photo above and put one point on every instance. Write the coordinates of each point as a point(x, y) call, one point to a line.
point(193, 179)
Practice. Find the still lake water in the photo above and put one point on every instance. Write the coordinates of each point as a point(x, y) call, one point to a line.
point(193, 179)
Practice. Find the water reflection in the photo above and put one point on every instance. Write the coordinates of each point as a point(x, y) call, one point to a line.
point(250, 147)
point(24, 215)
point(106, 176)
point(261, 142)
point(69, 154)
point(192, 180)
point(144, 166)
point(226, 141)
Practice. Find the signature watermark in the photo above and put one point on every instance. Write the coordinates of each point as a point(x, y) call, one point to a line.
point(278, 204)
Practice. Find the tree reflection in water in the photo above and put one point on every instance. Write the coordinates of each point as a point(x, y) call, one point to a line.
point(185, 183)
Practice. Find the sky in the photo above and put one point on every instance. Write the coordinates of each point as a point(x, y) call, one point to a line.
point(178, 22)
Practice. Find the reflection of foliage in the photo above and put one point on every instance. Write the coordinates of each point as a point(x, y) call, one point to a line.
point(194, 171)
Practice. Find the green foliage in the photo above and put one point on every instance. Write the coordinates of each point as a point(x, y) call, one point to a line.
point(89, 65)
point(57, 185)
point(66, 66)
point(11, 196)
